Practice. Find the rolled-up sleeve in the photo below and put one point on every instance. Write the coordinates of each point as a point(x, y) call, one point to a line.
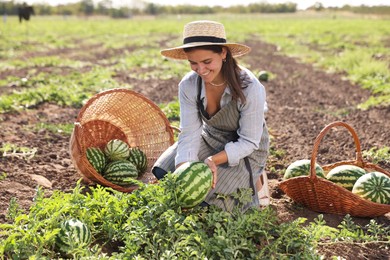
point(190, 123)
point(250, 123)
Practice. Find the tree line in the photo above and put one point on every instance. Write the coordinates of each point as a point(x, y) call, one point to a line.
point(106, 8)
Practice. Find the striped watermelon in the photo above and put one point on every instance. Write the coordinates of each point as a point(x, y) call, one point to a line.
point(345, 175)
point(373, 186)
point(194, 180)
point(96, 158)
point(301, 168)
point(121, 172)
point(73, 234)
point(263, 75)
point(117, 150)
point(138, 158)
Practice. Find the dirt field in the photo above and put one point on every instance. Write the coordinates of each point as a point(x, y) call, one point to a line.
point(301, 100)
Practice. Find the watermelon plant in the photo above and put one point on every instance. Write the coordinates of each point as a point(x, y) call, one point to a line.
point(12, 150)
point(56, 128)
point(377, 154)
point(3, 176)
point(194, 182)
point(117, 150)
point(148, 222)
point(373, 186)
point(73, 234)
point(302, 168)
point(171, 110)
point(345, 175)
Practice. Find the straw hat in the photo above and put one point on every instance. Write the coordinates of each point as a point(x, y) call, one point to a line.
point(201, 33)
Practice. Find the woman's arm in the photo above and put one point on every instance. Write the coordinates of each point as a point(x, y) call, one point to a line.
point(190, 123)
point(250, 123)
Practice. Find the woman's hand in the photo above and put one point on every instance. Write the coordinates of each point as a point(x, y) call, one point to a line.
point(177, 166)
point(213, 167)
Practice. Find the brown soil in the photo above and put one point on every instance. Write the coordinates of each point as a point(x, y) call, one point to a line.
point(301, 100)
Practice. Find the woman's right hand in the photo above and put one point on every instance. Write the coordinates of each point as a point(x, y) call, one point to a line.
point(177, 166)
point(213, 167)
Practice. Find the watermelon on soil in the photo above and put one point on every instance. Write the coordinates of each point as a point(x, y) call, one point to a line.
point(263, 75)
point(73, 234)
point(345, 175)
point(302, 168)
point(194, 182)
point(373, 186)
point(117, 150)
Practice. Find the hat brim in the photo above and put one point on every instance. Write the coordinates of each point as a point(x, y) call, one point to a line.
point(178, 53)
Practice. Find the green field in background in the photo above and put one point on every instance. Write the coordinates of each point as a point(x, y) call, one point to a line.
point(357, 45)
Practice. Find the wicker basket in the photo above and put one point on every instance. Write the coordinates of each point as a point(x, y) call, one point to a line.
point(119, 114)
point(321, 195)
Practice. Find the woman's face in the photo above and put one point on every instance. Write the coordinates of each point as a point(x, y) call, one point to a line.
point(207, 64)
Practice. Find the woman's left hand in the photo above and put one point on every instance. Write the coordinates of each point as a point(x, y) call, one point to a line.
point(213, 167)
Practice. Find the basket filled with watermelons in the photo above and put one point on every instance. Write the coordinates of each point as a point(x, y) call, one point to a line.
point(355, 187)
point(117, 136)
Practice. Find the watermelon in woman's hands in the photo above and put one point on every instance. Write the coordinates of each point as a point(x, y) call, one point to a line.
point(194, 182)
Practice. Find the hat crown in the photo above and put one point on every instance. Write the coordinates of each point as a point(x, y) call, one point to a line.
point(204, 33)
point(204, 28)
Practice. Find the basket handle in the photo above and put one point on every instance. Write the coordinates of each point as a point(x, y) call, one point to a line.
point(175, 128)
point(79, 136)
point(324, 131)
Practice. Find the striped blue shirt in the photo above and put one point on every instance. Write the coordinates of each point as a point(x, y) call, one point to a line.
point(250, 122)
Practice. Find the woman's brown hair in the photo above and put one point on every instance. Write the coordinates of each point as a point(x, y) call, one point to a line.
point(230, 70)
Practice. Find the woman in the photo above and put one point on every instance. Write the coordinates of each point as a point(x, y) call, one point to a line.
point(222, 109)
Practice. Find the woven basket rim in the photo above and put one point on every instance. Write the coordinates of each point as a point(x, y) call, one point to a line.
point(124, 90)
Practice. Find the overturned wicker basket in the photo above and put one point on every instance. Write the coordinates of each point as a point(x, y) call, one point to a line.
point(119, 114)
point(321, 195)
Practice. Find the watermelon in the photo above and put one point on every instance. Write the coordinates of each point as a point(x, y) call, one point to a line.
point(138, 158)
point(96, 158)
point(73, 234)
point(121, 172)
point(373, 186)
point(117, 150)
point(345, 175)
point(301, 168)
point(263, 75)
point(194, 181)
